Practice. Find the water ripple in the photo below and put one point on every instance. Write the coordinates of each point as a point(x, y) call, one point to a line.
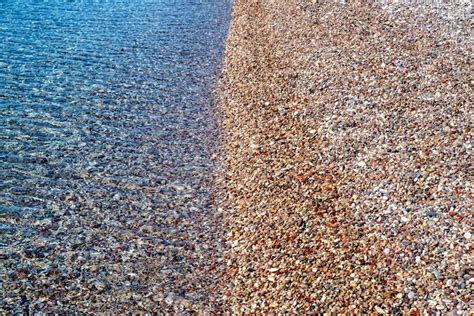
point(103, 123)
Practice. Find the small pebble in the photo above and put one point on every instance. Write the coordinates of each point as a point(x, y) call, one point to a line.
point(170, 299)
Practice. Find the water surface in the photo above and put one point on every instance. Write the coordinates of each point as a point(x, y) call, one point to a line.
point(106, 141)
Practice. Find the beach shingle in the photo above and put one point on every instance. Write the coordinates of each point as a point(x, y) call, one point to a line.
point(347, 134)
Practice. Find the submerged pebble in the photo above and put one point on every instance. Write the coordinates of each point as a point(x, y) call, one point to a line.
point(107, 139)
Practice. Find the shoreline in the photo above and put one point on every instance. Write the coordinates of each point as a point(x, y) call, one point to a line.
point(346, 133)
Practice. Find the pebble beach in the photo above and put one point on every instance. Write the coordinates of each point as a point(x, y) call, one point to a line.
point(317, 158)
point(347, 177)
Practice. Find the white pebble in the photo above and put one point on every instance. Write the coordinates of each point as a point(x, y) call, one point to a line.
point(361, 164)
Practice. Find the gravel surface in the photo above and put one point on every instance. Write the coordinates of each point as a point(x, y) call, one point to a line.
point(348, 169)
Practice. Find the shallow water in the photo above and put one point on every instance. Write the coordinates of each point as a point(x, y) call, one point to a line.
point(105, 128)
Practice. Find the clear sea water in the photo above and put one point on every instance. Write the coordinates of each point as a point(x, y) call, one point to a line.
point(106, 127)
point(94, 95)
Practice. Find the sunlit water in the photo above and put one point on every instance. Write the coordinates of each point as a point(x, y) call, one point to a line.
point(104, 122)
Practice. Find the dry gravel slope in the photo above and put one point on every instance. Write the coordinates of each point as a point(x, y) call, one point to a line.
point(348, 171)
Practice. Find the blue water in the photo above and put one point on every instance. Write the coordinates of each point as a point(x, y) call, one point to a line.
point(80, 79)
point(105, 119)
